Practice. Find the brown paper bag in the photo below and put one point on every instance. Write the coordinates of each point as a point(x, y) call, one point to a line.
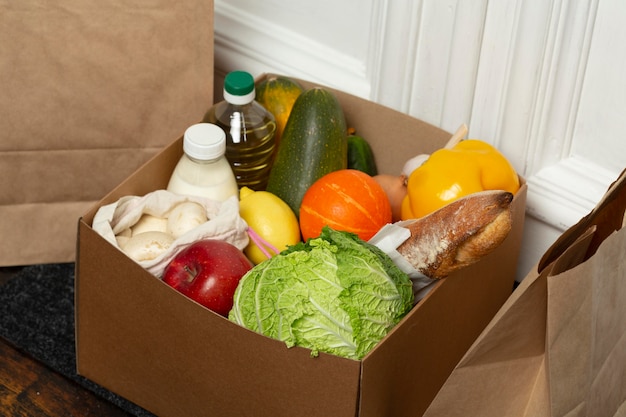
point(90, 90)
point(557, 347)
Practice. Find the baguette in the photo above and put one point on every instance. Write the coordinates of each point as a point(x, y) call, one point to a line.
point(458, 234)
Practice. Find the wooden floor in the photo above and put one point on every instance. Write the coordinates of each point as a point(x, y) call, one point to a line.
point(30, 389)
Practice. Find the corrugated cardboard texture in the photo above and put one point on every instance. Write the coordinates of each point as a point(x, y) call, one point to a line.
point(90, 91)
point(143, 340)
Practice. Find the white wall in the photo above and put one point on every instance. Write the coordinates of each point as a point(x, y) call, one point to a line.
point(541, 80)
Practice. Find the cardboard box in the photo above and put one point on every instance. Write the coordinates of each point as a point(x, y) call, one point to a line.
point(90, 91)
point(141, 339)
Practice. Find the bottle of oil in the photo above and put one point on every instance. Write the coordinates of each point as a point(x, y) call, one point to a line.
point(249, 128)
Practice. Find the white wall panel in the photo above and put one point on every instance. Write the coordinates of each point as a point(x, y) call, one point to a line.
point(255, 36)
point(542, 80)
point(599, 128)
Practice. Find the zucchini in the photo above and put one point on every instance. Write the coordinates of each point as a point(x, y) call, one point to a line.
point(360, 155)
point(314, 143)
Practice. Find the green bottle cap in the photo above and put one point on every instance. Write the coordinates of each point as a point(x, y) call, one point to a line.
point(239, 87)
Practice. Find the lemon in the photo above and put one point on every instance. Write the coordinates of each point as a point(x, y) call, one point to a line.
point(271, 219)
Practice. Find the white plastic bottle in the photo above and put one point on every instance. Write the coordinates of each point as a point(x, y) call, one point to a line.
point(203, 169)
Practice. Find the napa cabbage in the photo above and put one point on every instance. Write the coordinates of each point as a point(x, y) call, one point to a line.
point(336, 294)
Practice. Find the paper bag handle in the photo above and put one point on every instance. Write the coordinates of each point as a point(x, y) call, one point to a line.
point(608, 216)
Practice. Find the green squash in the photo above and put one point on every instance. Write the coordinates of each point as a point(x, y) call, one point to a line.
point(314, 143)
point(360, 155)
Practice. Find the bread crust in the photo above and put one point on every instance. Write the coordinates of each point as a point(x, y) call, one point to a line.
point(459, 234)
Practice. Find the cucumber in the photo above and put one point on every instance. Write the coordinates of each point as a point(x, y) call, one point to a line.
point(314, 143)
point(360, 155)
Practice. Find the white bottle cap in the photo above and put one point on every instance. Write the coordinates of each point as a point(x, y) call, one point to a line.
point(204, 141)
point(239, 100)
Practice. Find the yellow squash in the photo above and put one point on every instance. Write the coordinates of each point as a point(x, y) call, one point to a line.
point(277, 94)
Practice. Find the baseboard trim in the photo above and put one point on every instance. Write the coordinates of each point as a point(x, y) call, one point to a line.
point(561, 194)
point(273, 48)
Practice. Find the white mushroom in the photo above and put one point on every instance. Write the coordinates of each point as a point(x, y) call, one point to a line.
point(147, 246)
point(149, 223)
point(185, 217)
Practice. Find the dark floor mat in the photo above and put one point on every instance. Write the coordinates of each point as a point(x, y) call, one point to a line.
point(37, 316)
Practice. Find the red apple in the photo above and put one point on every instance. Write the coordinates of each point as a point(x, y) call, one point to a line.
point(208, 271)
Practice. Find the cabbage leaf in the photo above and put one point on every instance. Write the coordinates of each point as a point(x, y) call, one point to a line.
point(335, 294)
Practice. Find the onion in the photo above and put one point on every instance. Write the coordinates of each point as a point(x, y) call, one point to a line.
point(413, 163)
point(395, 188)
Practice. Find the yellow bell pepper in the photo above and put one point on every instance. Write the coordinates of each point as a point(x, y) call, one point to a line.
point(449, 174)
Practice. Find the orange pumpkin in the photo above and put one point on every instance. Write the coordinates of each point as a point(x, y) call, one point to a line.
point(346, 200)
point(277, 94)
